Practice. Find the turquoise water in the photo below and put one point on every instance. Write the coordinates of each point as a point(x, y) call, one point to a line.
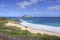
point(50, 21)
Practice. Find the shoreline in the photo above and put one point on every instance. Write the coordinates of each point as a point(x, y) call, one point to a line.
point(42, 27)
point(33, 30)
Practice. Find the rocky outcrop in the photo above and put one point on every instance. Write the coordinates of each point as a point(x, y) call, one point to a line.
point(25, 16)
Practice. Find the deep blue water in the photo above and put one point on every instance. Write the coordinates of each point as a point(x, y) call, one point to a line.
point(51, 21)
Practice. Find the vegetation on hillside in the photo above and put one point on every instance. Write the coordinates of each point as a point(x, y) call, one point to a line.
point(20, 34)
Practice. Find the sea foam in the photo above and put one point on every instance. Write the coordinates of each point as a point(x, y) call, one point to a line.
point(41, 27)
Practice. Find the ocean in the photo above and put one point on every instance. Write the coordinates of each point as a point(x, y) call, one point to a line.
point(41, 23)
point(50, 21)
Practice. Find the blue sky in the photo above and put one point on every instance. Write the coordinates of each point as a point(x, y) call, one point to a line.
point(40, 8)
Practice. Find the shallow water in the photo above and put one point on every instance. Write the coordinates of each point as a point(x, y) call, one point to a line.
point(41, 27)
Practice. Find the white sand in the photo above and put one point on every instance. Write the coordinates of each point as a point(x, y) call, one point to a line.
point(33, 30)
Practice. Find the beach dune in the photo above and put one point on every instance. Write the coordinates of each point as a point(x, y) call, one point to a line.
point(33, 30)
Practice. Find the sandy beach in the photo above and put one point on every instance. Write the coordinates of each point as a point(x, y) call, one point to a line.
point(33, 30)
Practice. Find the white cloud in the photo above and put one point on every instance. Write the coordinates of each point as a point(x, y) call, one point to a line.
point(51, 1)
point(2, 5)
point(33, 1)
point(34, 9)
point(27, 3)
point(24, 4)
point(56, 7)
